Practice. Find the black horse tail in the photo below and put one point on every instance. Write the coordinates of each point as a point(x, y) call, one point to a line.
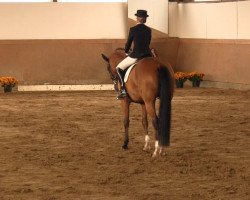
point(164, 123)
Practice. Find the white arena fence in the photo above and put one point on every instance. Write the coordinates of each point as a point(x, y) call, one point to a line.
point(64, 87)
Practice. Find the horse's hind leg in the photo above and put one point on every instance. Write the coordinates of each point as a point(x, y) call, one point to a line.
point(152, 113)
point(145, 126)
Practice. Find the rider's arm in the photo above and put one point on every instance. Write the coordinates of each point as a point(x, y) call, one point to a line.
point(150, 36)
point(129, 42)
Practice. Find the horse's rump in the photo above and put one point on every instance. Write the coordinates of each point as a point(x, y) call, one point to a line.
point(144, 78)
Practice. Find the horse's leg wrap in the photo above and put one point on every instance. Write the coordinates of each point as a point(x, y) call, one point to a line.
point(157, 149)
point(146, 146)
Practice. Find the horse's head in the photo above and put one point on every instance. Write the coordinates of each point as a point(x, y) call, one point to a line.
point(112, 61)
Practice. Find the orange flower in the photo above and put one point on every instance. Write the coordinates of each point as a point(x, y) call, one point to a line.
point(195, 76)
point(8, 80)
point(180, 76)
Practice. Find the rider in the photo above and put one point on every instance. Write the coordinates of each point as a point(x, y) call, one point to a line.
point(140, 35)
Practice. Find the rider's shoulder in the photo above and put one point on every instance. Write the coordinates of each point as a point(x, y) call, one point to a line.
point(139, 26)
point(148, 28)
point(133, 27)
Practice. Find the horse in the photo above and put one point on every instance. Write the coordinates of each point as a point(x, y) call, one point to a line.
point(148, 80)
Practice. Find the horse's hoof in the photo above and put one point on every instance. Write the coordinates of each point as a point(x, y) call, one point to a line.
point(154, 155)
point(147, 148)
point(125, 147)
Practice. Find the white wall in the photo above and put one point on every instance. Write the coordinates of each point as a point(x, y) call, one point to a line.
point(244, 19)
point(157, 11)
point(229, 20)
point(63, 20)
point(222, 20)
point(196, 27)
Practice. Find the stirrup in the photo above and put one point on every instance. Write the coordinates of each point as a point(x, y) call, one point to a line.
point(122, 94)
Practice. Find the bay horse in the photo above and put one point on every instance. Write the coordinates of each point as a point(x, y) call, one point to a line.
point(148, 80)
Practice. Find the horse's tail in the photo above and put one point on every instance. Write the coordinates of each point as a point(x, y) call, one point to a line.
point(164, 123)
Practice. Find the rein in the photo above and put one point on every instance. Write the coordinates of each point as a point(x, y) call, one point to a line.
point(119, 49)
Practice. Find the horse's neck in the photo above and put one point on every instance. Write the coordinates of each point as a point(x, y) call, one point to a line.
point(120, 55)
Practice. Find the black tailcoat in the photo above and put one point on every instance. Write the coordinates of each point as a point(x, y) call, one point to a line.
point(141, 36)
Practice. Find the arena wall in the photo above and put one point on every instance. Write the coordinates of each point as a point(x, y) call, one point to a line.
point(59, 43)
point(215, 40)
point(224, 62)
point(45, 58)
point(79, 61)
point(35, 62)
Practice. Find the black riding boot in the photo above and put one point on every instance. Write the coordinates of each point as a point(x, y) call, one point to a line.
point(123, 92)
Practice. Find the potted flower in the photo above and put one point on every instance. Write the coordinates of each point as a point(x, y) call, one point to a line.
point(8, 83)
point(196, 78)
point(180, 78)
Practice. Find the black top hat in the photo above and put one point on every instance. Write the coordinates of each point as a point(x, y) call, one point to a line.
point(141, 13)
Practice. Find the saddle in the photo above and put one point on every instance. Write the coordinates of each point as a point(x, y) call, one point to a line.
point(128, 70)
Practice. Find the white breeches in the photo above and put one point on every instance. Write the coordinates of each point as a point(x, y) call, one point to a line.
point(124, 64)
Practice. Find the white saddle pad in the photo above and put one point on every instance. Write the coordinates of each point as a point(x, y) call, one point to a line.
point(128, 72)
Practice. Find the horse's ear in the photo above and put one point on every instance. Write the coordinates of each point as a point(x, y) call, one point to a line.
point(105, 58)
